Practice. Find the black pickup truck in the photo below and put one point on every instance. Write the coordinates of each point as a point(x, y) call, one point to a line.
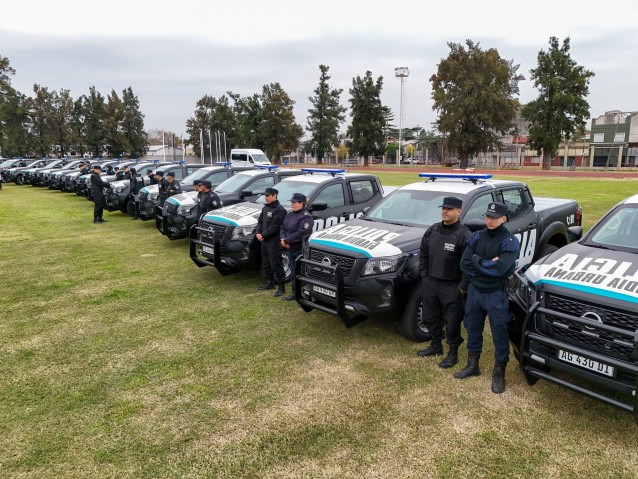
point(368, 268)
point(225, 238)
point(576, 312)
point(179, 212)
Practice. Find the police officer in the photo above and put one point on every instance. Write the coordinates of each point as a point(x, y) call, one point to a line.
point(119, 175)
point(267, 232)
point(84, 168)
point(109, 170)
point(97, 188)
point(208, 200)
point(489, 259)
point(162, 184)
point(174, 188)
point(127, 173)
point(443, 282)
point(136, 183)
point(296, 229)
point(151, 178)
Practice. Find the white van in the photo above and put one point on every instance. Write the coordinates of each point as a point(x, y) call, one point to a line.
point(248, 157)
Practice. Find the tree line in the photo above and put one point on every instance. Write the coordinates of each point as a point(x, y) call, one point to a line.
point(52, 122)
point(474, 92)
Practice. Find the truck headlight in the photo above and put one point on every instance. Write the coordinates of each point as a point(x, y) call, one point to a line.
point(153, 197)
point(185, 210)
point(525, 290)
point(117, 190)
point(244, 232)
point(388, 264)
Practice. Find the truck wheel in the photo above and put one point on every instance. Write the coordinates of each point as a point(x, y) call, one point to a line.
point(286, 264)
point(19, 180)
point(411, 324)
point(547, 250)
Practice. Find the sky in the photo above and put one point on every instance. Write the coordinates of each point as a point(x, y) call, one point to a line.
point(173, 53)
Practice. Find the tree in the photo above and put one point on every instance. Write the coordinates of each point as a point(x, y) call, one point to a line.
point(40, 120)
point(560, 109)
point(278, 130)
point(248, 118)
point(369, 117)
point(325, 116)
point(135, 137)
point(113, 134)
point(61, 121)
point(473, 92)
point(94, 115)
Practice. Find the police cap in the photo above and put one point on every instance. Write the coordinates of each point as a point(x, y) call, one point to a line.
point(298, 197)
point(452, 202)
point(206, 184)
point(171, 174)
point(496, 210)
point(159, 172)
point(271, 191)
point(97, 167)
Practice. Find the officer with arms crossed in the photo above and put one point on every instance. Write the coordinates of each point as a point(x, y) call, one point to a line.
point(152, 180)
point(97, 188)
point(162, 187)
point(174, 188)
point(489, 259)
point(267, 232)
point(443, 282)
point(208, 200)
point(295, 231)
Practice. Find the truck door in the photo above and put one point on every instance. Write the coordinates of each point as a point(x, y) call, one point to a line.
point(363, 196)
point(337, 211)
point(521, 221)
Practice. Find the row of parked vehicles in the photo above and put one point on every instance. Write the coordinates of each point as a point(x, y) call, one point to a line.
point(574, 299)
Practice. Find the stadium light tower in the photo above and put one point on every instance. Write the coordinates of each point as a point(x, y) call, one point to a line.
point(401, 73)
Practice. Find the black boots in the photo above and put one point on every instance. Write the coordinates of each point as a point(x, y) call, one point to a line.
point(471, 369)
point(435, 349)
point(290, 297)
point(451, 359)
point(269, 284)
point(281, 290)
point(498, 378)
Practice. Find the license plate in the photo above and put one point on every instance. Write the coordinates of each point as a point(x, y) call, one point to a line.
point(325, 291)
point(586, 363)
point(208, 250)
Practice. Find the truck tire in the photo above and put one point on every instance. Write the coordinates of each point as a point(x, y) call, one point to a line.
point(547, 250)
point(411, 323)
point(19, 180)
point(286, 264)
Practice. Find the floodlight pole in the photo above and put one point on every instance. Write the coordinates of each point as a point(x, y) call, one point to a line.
point(401, 73)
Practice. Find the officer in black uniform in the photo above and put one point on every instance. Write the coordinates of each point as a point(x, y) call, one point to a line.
point(208, 200)
point(174, 188)
point(489, 259)
point(162, 184)
point(109, 170)
point(119, 175)
point(443, 282)
point(296, 229)
point(136, 183)
point(267, 232)
point(127, 173)
point(97, 188)
point(84, 168)
point(151, 178)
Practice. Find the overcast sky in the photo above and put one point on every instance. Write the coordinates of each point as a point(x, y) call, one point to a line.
point(174, 53)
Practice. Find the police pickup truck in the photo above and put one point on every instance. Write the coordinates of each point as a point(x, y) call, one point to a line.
point(576, 312)
point(225, 238)
point(179, 212)
point(368, 268)
point(148, 197)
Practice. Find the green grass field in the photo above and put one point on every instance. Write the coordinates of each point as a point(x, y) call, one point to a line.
point(119, 358)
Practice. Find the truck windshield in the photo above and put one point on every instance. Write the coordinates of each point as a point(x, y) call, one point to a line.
point(261, 159)
point(409, 207)
point(234, 183)
point(195, 175)
point(618, 230)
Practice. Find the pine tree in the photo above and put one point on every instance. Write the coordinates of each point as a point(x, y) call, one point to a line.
point(278, 130)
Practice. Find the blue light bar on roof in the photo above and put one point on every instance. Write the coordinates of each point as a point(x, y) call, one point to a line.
point(330, 171)
point(267, 167)
point(223, 163)
point(458, 176)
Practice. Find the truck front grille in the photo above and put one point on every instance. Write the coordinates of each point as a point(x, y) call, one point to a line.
point(329, 259)
point(213, 231)
point(592, 337)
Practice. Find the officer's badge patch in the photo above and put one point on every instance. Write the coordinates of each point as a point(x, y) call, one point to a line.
point(306, 226)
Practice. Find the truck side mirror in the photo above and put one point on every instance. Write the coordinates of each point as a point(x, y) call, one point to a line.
point(245, 193)
point(318, 206)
